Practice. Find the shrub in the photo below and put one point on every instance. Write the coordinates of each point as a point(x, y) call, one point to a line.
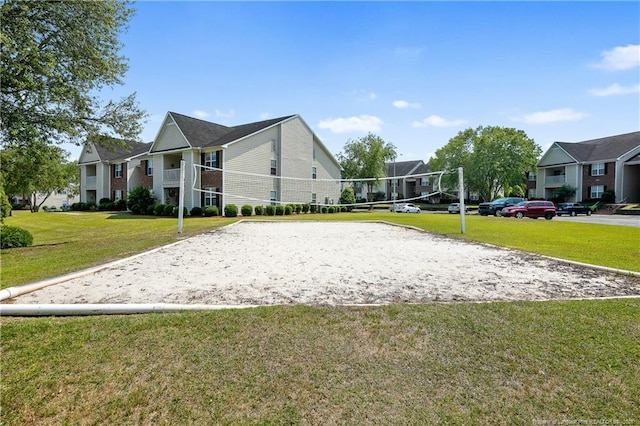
point(305, 208)
point(298, 208)
point(121, 205)
point(231, 210)
point(271, 210)
point(608, 197)
point(246, 210)
point(107, 206)
point(324, 209)
point(169, 210)
point(139, 199)
point(313, 208)
point(211, 211)
point(159, 210)
point(104, 201)
point(332, 209)
point(196, 211)
point(5, 205)
point(12, 236)
point(279, 210)
point(345, 208)
point(151, 210)
point(347, 196)
point(288, 210)
point(259, 210)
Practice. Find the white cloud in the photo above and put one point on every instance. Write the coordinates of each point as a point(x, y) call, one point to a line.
point(615, 89)
point(200, 114)
point(552, 116)
point(361, 123)
point(264, 116)
point(405, 104)
point(222, 114)
point(437, 121)
point(620, 58)
point(373, 96)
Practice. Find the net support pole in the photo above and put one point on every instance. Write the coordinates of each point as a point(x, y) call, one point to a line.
point(463, 209)
point(181, 197)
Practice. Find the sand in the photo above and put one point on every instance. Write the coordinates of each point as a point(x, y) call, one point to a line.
point(332, 263)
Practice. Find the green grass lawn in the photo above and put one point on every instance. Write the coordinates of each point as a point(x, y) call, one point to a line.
point(485, 364)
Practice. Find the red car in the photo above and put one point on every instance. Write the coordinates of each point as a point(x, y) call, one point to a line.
point(532, 209)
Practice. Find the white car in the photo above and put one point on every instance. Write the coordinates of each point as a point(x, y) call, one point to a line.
point(455, 208)
point(405, 208)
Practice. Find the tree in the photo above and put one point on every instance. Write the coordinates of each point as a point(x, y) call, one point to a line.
point(139, 199)
point(348, 197)
point(37, 170)
point(5, 205)
point(566, 191)
point(494, 160)
point(56, 56)
point(365, 158)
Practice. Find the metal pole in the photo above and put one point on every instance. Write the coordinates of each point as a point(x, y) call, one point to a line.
point(181, 198)
point(461, 196)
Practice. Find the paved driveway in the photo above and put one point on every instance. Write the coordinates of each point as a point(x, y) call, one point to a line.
point(617, 219)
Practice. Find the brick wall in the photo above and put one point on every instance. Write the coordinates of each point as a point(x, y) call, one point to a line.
point(608, 179)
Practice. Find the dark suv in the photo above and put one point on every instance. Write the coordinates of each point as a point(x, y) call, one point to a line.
point(496, 206)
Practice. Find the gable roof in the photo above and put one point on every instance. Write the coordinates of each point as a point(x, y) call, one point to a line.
point(120, 150)
point(608, 148)
point(402, 168)
point(203, 134)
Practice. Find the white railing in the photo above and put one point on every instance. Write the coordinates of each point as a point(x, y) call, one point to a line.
point(171, 176)
point(555, 179)
point(90, 181)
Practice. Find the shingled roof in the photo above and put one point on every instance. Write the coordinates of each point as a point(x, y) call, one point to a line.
point(122, 150)
point(603, 149)
point(202, 134)
point(402, 168)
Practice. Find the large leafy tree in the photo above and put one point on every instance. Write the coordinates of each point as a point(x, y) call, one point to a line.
point(35, 170)
point(56, 58)
point(494, 160)
point(365, 158)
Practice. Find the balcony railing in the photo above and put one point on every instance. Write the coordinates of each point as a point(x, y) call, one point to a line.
point(90, 181)
point(555, 179)
point(171, 176)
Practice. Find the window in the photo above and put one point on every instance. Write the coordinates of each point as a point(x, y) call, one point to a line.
point(210, 197)
point(531, 193)
point(273, 197)
point(314, 172)
point(117, 194)
point(597, 191)
point(314, 198)
point(597, 169)
point(424, 181)
point(532, 176)
point(149, 167)
point(117, 170)
point(211, 159)
point(274, 167)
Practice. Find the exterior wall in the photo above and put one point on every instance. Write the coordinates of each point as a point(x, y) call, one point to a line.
point(145, 179)
point(170, 138)
point(103, 181)
point(251, 155)
point(608, 179)
point(554, 156)
point(631, 184)
point(118, 183)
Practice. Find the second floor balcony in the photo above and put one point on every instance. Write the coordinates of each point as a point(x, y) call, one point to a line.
point(171, 176)
point(555, 180)
point(90, 181)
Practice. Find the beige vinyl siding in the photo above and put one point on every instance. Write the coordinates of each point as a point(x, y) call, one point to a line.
point(170, 138)
point(251, 155)
point(554, 156)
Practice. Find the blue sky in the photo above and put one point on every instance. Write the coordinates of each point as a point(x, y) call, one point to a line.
point(413, 73)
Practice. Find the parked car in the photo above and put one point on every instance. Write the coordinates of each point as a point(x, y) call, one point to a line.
point(455, 208)
point(405, 208)
point(495, 207)
point(573, 209)
point(532, 209)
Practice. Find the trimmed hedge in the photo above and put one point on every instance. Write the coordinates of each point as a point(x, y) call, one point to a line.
point(231, 210)
point(13, 236)
point(271, 210)
point(196, 211)
point(159, 209)
point(259, 210)
point(211, 211)
point(279, 210)
point(246, 210)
